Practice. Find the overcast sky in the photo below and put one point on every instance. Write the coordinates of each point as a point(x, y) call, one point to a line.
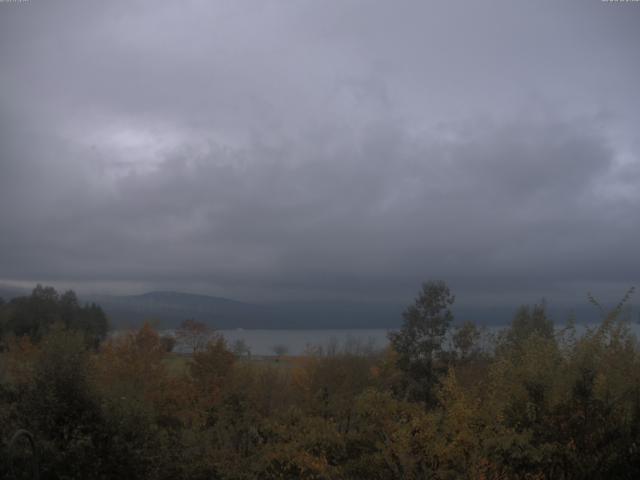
point(321, 149)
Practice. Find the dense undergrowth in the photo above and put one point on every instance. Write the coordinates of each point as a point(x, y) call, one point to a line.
point(539, 403)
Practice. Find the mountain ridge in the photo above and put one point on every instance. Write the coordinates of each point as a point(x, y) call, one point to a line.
point(168, 308)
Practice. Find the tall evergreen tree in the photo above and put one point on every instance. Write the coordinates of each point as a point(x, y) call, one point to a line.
point(419, 341)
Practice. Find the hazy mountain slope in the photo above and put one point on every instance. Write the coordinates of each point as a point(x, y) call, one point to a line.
point(168, 308)
point(8, 292)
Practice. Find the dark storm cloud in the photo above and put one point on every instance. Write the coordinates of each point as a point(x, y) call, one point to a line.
point(298, 150)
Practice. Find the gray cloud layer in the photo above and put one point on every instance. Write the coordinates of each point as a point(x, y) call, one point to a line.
point(321, 150)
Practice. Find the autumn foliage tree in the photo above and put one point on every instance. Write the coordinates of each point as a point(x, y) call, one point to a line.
point(193, 336)
point(210, 367)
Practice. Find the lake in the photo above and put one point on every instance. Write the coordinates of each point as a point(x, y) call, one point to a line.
point(262, 342)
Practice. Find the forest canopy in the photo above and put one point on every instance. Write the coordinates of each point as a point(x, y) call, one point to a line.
point(442, 401)
point(35, 315)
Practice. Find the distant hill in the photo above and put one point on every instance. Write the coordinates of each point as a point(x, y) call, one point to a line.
point(7, 292)
point(169, 308)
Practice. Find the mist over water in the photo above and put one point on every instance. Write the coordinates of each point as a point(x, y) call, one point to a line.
point(298, 342)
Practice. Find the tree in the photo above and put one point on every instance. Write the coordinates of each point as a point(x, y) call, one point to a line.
point(465, 339)
point(94, 323)
point(527, 322)
point(193, 335)
point(210, 367)
point(3, 321)
point(36, 314)
point(69, 307)
point(240, 348)
point(280, 350)
point(419, 341)
point(60, 408)
point(168, 343)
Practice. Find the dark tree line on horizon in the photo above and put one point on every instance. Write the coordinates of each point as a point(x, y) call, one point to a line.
point(36, 314)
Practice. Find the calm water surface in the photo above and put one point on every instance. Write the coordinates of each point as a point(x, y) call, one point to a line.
point(262, 342)
point(296, 342)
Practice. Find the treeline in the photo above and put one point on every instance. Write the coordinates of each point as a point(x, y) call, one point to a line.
point(35, 315)
point(537, 403)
